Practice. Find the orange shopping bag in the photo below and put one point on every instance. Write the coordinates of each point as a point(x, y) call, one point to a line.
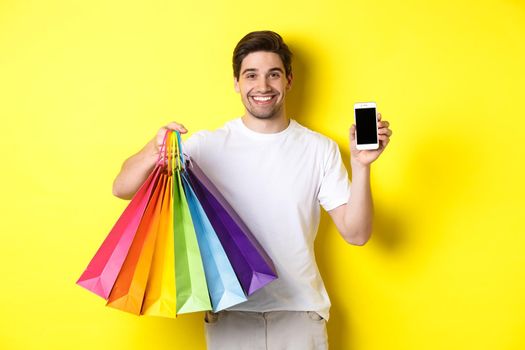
point(160, 298)
point(128, 292)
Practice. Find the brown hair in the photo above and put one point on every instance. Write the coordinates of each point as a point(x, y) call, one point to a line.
point(264, 40)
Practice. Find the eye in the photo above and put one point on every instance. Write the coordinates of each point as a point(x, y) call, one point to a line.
point(275, 75)
point(250, 76)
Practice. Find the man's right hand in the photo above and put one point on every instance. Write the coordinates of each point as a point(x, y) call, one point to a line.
point(136, 168)
point(159, 138)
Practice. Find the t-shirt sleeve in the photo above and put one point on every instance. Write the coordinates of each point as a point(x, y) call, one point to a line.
point(192, 145)
point(335, 185)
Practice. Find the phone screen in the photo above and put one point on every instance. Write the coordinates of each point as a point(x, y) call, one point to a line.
point(365, 123)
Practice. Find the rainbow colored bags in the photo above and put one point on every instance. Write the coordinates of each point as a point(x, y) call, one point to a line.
point(178, 247)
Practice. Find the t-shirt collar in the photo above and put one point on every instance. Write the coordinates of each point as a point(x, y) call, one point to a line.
point(259, 135)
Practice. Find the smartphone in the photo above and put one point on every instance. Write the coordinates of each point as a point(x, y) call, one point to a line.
point(365, 117)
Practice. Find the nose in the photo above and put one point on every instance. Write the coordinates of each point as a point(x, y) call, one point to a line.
point(263, 85)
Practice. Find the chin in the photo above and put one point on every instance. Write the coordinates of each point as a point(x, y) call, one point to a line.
point(270, 115)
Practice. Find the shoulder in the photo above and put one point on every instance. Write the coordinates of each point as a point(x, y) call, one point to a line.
point(314, 138)
point(202, 138)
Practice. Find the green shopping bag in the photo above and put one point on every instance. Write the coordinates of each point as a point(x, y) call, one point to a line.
point(192, 290)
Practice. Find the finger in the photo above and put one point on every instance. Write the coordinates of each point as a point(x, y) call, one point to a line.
point(384, 131)
point(378, 116)
point(384, 137)
point(173, 125)
point(383, 124)
point(352, 132)
point(383, 143)
point(176, 126)
point(180, 129)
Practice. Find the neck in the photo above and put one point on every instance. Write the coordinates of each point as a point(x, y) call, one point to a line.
point(266, 126)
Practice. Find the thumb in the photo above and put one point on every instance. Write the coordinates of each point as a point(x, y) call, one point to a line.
point(352, 133)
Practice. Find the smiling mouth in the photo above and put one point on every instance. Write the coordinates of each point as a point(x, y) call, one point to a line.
point(263, 100)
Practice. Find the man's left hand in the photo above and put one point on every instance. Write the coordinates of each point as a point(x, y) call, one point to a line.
point(366, 157)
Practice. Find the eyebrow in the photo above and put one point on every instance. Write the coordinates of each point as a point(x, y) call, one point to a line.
point(256, 70)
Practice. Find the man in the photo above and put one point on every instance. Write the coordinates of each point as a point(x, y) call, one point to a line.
point(276, 174)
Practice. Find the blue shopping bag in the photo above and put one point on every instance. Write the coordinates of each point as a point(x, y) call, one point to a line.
point(223, 286)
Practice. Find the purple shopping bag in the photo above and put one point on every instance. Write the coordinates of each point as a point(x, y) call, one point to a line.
point(253, 266)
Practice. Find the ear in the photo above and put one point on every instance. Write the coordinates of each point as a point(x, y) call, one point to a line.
point(290, 79)
point(236, 85)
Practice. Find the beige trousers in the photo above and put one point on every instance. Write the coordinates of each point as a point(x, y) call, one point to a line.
point(274, 330)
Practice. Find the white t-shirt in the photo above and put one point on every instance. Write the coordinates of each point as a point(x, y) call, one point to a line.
point(276, 183)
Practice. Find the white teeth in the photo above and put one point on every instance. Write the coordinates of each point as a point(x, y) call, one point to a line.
point(262, 99)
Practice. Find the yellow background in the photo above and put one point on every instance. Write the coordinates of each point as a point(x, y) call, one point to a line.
point(84, 84)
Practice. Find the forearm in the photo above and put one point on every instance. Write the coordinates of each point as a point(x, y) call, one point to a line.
point(358, 214)
point(134, 171)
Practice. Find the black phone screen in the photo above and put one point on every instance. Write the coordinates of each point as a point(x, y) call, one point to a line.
point(365, 123)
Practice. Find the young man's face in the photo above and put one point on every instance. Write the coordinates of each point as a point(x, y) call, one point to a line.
point(263, 84)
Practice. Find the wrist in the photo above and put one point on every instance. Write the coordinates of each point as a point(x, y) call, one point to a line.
point(359, 167)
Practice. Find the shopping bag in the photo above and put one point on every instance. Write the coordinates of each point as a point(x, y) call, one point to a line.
point(160, 296)
point(223, 286)
point(253, 266)
point(178, 247)
point(103, 269)
point(192, 289)
point(129, 288)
